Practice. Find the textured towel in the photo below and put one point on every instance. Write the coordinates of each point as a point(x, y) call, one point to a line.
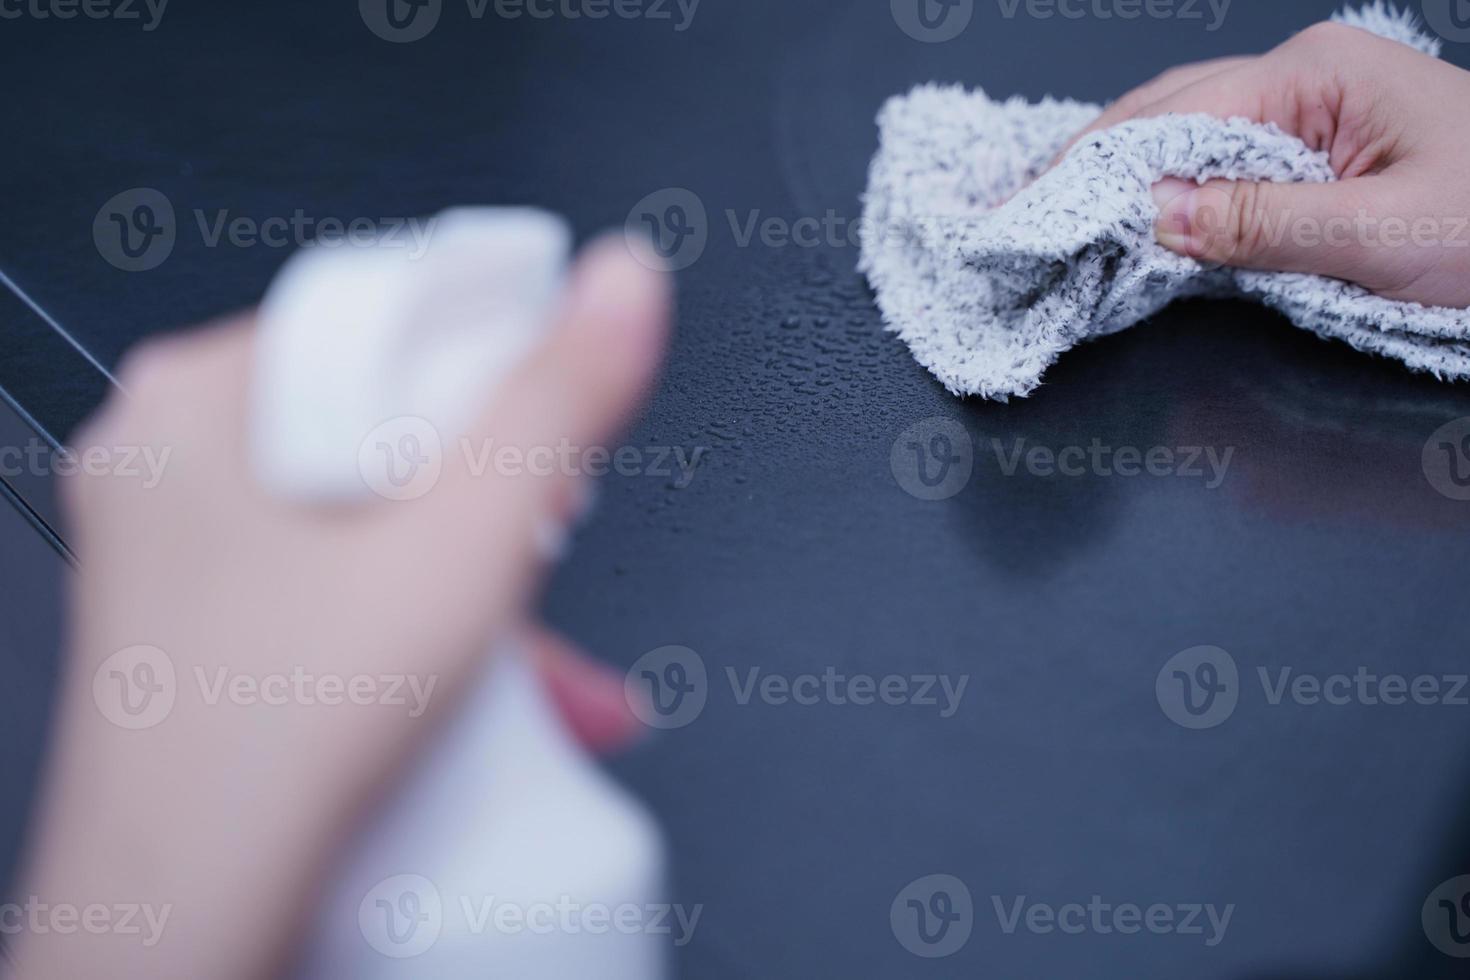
point(988, 289)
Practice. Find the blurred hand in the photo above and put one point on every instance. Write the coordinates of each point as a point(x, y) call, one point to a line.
point(228, 812)
point(1396, 124)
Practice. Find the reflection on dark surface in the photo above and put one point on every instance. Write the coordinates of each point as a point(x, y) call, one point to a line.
point(1031, 524)
point(1334, 435)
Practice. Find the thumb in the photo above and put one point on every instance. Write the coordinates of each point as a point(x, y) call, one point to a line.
point(1310, 228)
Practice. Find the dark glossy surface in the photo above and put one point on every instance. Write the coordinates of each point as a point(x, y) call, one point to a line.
point(794, 548)
point(32, 575)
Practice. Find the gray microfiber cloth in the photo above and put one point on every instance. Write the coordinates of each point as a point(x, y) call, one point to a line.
point(988, 289)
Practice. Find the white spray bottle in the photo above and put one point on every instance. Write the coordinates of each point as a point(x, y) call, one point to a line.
point(506, 852)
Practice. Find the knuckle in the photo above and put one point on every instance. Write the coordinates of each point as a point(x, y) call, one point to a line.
point(77, 495)
point(1231, 223)
point(148, 367)
point(100, 424)
point(76, 488)
point(96, 430)
point(1326, 34)
point(108, 424)
point(1114, 112)
point(1127, 105)
point(1170, 77)
point(1250, 222)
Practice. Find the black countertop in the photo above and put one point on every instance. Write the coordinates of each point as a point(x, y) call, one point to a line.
point(795, 549)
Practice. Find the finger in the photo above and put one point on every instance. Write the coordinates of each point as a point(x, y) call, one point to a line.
point(1162, 87)
point(588, 694)
point(579, 388)
point(205, 370)
point(1299, 87)
point(1312, 228)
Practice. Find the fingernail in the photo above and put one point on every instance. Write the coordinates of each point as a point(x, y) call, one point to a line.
point(1178, 202)
point(594, 702)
